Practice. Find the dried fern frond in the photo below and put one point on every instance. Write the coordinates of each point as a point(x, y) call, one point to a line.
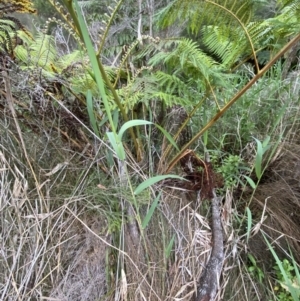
point(12, 6)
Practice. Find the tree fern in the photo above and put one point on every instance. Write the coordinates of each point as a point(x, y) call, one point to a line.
point(195, 13)
point(229, 28)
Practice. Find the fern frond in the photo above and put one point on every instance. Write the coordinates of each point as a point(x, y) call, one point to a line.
point(70, 59)
point(229, 51)
point(228, 27)
point(159, 86)
point(6, 30)
point(80, 83)
point(228, 19)
point(21, 53)
point(185, 90)
point(9, 33)
point(129, 52)
point(218, 44)
point(227, 14)
point(81, 78)
point(186, 54)
point(171, 100)
point(260, 33)
point(290, 6)
point(171, 83)
point(39, 54)
point(139, 89)
point(288, 21)
point(43, 51)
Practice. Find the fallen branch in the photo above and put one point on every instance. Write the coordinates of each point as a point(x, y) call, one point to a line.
point(209, 280)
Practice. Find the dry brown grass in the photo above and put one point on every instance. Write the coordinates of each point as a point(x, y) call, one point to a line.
point(52, 248)
point(280, 197)
point(58, 242)
point(174, 277)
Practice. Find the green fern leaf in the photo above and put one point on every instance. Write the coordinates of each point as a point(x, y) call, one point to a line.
point(171, 100)
point(186, 53)
point(43, 51)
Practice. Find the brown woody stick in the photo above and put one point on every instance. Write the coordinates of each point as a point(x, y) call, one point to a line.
point(209, 280)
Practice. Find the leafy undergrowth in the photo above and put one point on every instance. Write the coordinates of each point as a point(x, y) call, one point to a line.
point(73, 226)
point(63, 223)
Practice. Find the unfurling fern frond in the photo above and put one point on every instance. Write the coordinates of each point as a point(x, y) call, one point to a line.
point(64, 15)
point(108, 23)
